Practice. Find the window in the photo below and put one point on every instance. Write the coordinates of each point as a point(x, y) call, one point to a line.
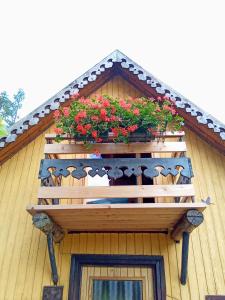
point(117, 277)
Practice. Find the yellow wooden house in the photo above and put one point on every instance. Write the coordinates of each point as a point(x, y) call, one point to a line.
point(78, 249)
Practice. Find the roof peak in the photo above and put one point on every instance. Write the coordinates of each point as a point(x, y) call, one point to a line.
point(128, 68)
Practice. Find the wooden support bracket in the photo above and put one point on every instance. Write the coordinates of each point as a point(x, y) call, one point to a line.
point(53, 232)
point(191, 219)
point(43, 222)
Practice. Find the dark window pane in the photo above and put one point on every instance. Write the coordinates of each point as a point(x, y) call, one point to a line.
point(117, 289)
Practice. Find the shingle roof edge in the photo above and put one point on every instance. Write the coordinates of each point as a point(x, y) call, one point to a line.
point(91, 75)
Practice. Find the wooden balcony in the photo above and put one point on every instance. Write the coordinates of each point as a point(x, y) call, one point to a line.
point(176, 197)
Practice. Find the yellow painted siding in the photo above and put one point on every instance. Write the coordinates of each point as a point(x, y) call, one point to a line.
point(24, 264)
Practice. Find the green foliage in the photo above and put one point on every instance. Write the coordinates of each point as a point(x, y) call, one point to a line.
point(3, 131)
point(9, 108)
point(92, 119)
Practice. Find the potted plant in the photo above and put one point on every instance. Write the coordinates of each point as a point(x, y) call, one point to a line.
point(100, 118)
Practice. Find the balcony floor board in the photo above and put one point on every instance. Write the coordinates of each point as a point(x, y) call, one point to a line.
point(116, 217)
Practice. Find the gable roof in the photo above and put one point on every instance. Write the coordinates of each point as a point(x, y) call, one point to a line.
point(26, 129)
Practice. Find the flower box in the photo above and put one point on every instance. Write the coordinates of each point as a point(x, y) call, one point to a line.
point(104, 118)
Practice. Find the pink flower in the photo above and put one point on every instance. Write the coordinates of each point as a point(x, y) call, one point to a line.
point(56, 114)
point(58, 130)
point(136, 112)
point(66, 111)
point(170, 109)
point(105, 103)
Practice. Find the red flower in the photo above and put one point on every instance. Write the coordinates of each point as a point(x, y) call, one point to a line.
point(159, 98)
point(94, 134)
point(105, 103)
point(94, 105)
point(124, 104)
point(58, 130)
point(170, 109)
point(132, 128)
point(95, 118)
point(136, 112)
point(115, 132)
point(124, 131)
point(103, 113)
point(99, 140)
point(87, 126)
point(56, 114)
point(80, 115)
point(66, 111)
point(100, 98)
point(113, 118)
point(153, 132)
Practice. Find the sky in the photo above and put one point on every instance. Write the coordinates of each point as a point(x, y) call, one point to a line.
point(46, 44)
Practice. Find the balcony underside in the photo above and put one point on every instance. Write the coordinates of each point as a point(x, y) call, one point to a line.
point(154, 217)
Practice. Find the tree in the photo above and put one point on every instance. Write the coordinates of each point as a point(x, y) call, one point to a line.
point(9, 108)
point(3, 130)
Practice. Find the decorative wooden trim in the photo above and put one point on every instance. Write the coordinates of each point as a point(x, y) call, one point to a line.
point(143, 191)
point(154, 262)
point(119, 148)
point(115, 167)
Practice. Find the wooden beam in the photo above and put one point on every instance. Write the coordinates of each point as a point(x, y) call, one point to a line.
point(143, 191)
point(119, 148)
point(192, 219)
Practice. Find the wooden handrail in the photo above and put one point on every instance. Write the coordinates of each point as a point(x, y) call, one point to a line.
point(119, 148)
point(143, 191)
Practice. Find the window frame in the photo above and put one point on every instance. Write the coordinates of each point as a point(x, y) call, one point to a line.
point(80, 260)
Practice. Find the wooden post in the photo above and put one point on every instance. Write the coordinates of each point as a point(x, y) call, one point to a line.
point(184, 260)
point(191, 219)
point(43, 222)
point(51, 253)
